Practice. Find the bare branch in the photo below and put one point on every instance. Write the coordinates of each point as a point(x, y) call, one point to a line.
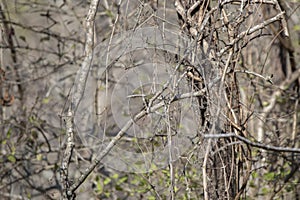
point(121, 133)
point(81, 77)
point(78, 91)
point(272, 102)
point(250, 31)
point(254, 144)
point(64, 171)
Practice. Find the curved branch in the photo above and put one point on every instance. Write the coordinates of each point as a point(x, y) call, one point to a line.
point(254, 144)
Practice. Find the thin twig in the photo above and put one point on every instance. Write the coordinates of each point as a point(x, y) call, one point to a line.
point(267, 78)
point(170, 145)
point(121, 133)
point(272, 102)
point(250, 31)
point(204, 174)
point(254, 144)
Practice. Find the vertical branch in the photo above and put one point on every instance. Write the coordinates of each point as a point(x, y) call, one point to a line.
point(81, 77)
point(67, 156)
point(204, 172)
point(77, 93)
point(285, 85)
point(171, 167)
point(8, 34)
point(295, 119)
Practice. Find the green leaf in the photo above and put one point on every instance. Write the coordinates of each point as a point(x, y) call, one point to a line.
point(107, 194)
point(46, 100)
point(12, 158)
point(252, 184)
point(265, 190)
point(13, 150)
point(269, 176)
point(296, 28)
point(109, 13)
point(122, 180)
point(265, 103)
point(99, 187)
point(32, 119)
point(254, 174)
point(39, 157)
point(106, 181)
point(153, 166)
point(8, 134)
point(115, 176)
